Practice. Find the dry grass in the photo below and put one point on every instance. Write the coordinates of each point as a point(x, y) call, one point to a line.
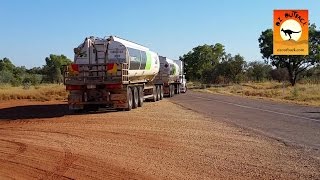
point(305, 94)
point(45, 92)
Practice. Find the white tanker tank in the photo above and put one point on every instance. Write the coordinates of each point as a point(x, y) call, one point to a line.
point(143, 63)
point(112, 72)
point(168, 68)
point(169, 76)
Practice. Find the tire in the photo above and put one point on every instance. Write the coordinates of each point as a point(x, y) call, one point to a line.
point(158, 93)
point(129, 99)
point(154, 93)
point(178, 90)
point(172, 90)
point(161, 92)
point(175, 88)
point(135, 97)
point(141, 94)
point(91, 107)
point(76, 111)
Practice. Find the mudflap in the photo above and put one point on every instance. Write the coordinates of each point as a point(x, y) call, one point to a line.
point(119, 101)
point(74, 102)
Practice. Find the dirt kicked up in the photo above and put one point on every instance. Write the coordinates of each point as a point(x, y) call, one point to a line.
point(158, 141)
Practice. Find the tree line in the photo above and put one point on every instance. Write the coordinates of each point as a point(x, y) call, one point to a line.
point(51, 72)
point(212, 64)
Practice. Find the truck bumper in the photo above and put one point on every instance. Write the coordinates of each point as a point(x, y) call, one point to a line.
point(77, 102)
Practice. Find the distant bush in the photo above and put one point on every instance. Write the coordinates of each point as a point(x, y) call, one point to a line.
point(258, 71)
point(51, 72)
point(6, 77)
point(279, 74)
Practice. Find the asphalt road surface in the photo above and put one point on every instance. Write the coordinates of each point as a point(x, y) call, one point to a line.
point(291, 124)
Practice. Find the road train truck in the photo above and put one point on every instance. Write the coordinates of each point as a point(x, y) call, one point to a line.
point(112, 72)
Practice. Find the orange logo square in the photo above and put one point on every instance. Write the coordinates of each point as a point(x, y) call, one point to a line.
point(290, 32)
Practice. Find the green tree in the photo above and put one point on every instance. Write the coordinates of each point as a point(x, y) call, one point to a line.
point(231, 68)
point(6, 64)
point(201, 60)
point(258, 71)
point(54, 66)
point(33, 79)
point(236, 68)
point(19, 74)
point(280, 74)
point(10, 73)
point(294, 64)
point(35, 70)
point(6, 77)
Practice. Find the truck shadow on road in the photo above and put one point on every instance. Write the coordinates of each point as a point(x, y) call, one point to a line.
point(34, 112)
point(40, 111)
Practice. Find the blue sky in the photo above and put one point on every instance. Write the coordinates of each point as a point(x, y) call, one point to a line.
point(31, 30)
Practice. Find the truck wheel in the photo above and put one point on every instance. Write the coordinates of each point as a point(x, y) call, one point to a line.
point(135, 97)
point(76, 111)
point(140, 101)
point(175, 88)
point(129, 99)
point(161, 92)
point(91, 107)
point(154, 93)
point(172, 90)
point(158, 93)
